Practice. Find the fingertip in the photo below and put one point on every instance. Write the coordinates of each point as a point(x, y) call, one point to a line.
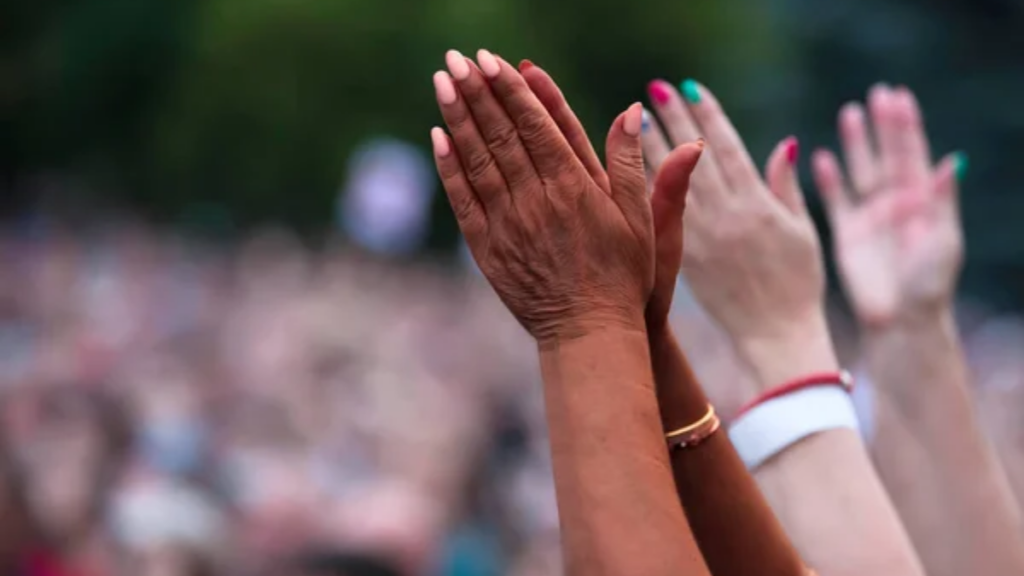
point(525, 65)
point(444, 88)
point(880, 100)
point(960, 163)
point(441, 144)
point(675, 172)
point(457, 65)
point(659, 91)
point(822, 160)
point(488, 63)
point(827, 178)
point(949, 174)
point(851, 119)
point(691, 90)
point(695, 148)
point(791, 146)
point(632, 121)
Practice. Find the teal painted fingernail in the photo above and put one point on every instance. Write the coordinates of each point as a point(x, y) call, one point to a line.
point(645, 121)
point(690, 90)
point(960, 165)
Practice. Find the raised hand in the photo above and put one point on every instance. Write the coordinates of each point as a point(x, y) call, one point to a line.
point(900, 247)
point(895, 220)
point(752, 255)
point(668, 201)
point(567, 245)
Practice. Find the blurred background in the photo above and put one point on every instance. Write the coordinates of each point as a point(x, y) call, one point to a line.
point(238, 334)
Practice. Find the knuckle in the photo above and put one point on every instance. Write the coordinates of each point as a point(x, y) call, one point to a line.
point(479, 166)
point(502, 139)
point(464, 210)
point(533, 126)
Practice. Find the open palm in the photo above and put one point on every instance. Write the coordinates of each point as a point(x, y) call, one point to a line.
point(897, 238)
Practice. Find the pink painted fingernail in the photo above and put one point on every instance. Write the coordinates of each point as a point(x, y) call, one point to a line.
point(440, 141)
point(634, 119)
point(445, 88)
point(457, 64)
point(659, 91)
point(792, 150)
point(488, 63)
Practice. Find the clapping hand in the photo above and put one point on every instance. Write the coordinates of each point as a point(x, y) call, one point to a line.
point(567, 244)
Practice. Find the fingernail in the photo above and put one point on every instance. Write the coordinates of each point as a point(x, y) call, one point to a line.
point(631, 123)
point(645, 121)
point(457, 64)
point(440, 141)
point(445, 89)
point(690, 90)
point(792, 150)
point(659, 91)
point(488, 63)
point(960, 166)
point(525, 65)
point(701, 142)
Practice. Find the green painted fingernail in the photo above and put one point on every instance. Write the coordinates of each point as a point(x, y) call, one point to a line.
point(690, 90)
point(960, 165)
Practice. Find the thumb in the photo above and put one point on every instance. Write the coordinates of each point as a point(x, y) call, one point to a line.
point(948, 174)
point(782, 176)
point(626, 168)
point(671, 186)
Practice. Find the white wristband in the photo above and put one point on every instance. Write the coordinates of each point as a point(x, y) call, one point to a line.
point(770, 428)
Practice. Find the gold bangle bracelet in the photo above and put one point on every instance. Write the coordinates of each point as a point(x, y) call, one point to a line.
point(695, 433)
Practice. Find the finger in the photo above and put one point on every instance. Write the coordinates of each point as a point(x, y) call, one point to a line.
point(626, 170)
point(653, 143)
point(948, 175)
point(913, 156)
point(469, 212)
point(731, 156)
point(881, 106)
point(544, 142)
point(475, 158)
point(861, 161)
point(551, 97)
point(668, 203)
point(829, 180)
point(497, 129)
point(781, 175)
point(707, 182)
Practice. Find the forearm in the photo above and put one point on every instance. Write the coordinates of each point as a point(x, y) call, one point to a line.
point(616, 502)
point(732, 522)
point(824, 489)
point(933, 456)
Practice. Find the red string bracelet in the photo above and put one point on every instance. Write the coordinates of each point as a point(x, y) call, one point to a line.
point(841, 378)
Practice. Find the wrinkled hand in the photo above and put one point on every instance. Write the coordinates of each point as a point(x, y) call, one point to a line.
point(668, 201)
point(568, 246)
point(898, 241)
point(752, 254)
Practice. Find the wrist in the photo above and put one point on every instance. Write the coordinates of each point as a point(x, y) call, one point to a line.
point(921, 310)
point(596, 320)
point(930, 320)
point(803, 349)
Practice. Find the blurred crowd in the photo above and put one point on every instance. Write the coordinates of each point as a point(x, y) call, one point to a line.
point(173, 406)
